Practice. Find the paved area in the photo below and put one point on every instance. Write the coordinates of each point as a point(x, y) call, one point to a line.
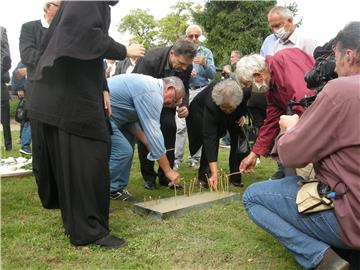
point(13, 125)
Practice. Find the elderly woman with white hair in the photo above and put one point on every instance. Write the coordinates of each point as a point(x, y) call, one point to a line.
point(218, 108)
point(283, 76)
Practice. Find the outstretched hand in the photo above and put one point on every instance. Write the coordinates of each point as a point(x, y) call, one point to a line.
point(247, 165)
point(135, 50)
point(173, 176)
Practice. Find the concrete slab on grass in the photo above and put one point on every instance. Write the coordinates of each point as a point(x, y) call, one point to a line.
point(165, 208)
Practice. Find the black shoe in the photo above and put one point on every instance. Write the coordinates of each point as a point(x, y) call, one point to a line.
point(278, 175)
point(110, 241)
point(178, 186)
point(149, 185)
point(171, 186)
point(237, 183)
point(203, 184)
point(122, 195)
point(332, 261)
point(26, 150)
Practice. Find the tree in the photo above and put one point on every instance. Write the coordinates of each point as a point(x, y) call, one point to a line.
point(144, 29)
point(173, 26)
point(141, 25)
point(234, 25)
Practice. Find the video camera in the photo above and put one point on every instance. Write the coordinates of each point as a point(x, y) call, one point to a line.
point(317, 77)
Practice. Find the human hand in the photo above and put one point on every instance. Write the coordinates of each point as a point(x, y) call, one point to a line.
point(20, 73)
point(182, 112)
point(227, 69)
point(173, 176)
point(213, 181)
point(247, 165)
point(288, 121)
point(241, 121)
point(193, 73)
point(107, 105)
point(21, 94)
point(200, 60)
point(135, 50)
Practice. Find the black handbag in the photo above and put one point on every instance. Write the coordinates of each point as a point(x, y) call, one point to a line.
point(20, 113)
point(248, 138)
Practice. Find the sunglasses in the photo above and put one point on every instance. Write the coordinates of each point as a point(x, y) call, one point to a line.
point(193, 36)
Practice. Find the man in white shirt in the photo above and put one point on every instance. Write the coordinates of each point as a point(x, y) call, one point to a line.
point(281, 23)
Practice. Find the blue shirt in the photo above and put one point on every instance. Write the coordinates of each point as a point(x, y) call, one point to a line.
point(267, 47)
point(136, 103)
point(203, 73)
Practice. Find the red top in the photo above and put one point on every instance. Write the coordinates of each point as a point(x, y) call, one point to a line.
point(328, 134)
point(287, 70)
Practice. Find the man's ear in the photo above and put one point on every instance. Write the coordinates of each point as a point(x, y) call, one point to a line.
point(351, 56)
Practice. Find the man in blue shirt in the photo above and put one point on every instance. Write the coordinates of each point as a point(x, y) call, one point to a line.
point(136, 104)
point(203, 72)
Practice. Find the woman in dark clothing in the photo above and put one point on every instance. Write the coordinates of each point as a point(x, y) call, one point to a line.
point(218, 108)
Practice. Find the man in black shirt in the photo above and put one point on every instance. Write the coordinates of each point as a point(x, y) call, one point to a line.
point(159, 63)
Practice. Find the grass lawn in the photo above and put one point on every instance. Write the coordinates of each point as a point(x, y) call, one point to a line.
point(220, 237)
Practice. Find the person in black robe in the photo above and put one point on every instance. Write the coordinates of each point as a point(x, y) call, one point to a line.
point(69, 101)
point(5, 97)
point(220, 107)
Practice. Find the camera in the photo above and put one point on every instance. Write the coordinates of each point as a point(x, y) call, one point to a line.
point(317, 77)
point(323, 72)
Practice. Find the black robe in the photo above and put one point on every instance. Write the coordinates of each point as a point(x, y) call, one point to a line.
point(67, 102)
point(69, 78)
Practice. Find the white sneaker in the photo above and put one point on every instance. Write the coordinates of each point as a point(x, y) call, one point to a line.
point(194, 164)
point(177, 165)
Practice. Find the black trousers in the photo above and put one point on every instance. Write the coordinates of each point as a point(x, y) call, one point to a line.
point(235, 159)
point(256, 106)
point(73, 174)
point(5, 121)
point(168, 129)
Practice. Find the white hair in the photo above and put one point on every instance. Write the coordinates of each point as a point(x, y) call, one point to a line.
point(227, 92)
point(282, 11)
point(248, 65)
point(193, 26)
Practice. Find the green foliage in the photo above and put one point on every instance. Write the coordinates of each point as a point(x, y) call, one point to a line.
point(234, 25)
point(141, 25)
point(173, 25)
point(158, 33)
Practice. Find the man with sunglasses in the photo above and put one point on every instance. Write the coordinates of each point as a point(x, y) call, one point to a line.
point(160, 63)
point(203, 72)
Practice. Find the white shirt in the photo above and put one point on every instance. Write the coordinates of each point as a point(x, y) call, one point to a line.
point(297, 40)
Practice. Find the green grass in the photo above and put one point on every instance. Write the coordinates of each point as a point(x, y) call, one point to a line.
point(220, 237)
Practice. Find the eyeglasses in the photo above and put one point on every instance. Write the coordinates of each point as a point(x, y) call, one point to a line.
point(53, 4)
point(193, 36)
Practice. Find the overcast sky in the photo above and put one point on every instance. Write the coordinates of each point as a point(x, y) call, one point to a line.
point(322, 19)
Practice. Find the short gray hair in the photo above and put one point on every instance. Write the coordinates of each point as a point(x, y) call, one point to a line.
point(282, 11)
point(176, 83)
point(227, 91)
point(248, 65)
point(193, 26)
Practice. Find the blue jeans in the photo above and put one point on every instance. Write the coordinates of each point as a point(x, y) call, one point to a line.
point(25, 134)
point(271, 205)
point(122, 152)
